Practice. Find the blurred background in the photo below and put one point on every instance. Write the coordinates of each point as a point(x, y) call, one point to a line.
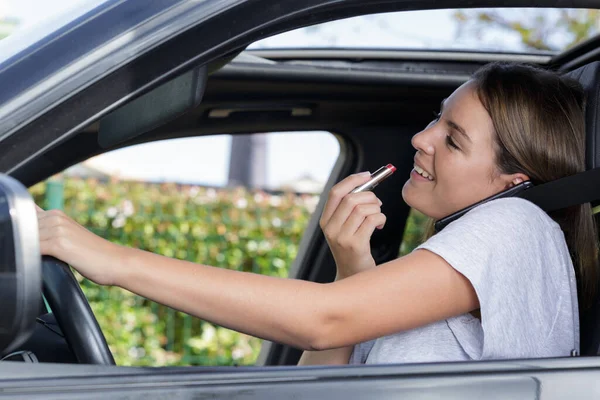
point(243, 202)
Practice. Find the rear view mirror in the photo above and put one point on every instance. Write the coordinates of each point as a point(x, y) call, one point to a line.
point(20, 264)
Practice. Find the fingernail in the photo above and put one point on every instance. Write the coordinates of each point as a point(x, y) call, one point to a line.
point(364, 174)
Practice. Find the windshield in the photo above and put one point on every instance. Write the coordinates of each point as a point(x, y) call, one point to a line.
point(520, 30)
point(24, 35)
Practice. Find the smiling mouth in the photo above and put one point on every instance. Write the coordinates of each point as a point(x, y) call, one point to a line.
point(423, 173)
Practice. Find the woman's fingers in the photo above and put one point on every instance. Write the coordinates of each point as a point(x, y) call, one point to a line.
point(345, 208)
point(368, 226)
point(62, 237)
point(55, 231)
point(337, 193)
point(357, 217)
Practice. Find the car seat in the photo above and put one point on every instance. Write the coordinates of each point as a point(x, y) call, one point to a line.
point(589, 77)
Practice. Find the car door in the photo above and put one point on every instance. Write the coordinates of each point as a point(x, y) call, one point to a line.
point(49, 107)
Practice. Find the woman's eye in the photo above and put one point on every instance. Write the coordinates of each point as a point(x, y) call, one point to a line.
point(437, 115)
point(450, 142)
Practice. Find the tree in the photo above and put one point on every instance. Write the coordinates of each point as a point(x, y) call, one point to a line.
point(6, 26)
point(538, 29)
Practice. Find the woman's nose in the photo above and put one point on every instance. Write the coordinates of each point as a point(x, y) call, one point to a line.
point(423, 141)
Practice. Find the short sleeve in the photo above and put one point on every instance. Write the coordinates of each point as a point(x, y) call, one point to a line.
point(361, 352)
point(516, 258)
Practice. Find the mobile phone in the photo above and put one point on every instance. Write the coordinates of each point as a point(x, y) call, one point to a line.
point(510, 192)
point(376, 178)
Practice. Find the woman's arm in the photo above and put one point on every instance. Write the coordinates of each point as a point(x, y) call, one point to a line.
point(339, 356)
point(281, 310)
point(402, 294)
point(351, 249)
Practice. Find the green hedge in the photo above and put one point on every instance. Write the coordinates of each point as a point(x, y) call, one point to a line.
point(230, 228)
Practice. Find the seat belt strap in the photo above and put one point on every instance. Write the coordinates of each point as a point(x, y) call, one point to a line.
point(565, 192)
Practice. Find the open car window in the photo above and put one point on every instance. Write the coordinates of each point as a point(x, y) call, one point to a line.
point(238, 202)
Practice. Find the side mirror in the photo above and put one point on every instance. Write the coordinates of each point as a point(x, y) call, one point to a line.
point(20, 264)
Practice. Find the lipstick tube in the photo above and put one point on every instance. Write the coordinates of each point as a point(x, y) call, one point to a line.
point(376, 178)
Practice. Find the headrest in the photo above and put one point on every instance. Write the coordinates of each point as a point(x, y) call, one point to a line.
point(589, 77)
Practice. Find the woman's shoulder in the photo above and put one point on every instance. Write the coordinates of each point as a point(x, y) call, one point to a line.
point(512, 211)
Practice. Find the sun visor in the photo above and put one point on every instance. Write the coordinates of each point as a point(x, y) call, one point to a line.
point(153, 109)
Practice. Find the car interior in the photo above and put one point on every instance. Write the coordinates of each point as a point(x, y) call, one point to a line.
point(373, 102)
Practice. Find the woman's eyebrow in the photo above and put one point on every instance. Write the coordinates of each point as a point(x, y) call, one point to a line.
point(454, 125)
point(459, 129)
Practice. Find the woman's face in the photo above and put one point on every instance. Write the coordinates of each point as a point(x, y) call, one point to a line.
point(456, 152)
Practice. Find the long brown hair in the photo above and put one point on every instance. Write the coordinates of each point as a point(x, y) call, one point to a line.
point(538, 119)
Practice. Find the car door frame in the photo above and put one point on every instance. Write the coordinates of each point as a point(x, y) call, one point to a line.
point(256, 20)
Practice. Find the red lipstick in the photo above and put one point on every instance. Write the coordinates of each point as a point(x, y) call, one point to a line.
point(376, 178)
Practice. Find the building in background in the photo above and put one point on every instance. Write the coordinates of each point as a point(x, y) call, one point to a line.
point(248, 161)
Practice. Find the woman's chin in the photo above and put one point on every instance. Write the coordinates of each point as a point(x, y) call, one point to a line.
point(414, 200)
point(410, 194)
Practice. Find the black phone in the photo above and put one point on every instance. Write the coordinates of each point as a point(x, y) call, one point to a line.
point(510, 192)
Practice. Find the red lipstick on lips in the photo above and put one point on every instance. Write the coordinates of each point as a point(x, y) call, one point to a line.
point(376, 178)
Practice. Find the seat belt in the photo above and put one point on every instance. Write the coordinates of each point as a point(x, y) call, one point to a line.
point(565, 192)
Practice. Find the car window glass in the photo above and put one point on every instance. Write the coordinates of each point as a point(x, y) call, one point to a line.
point(239, 202)
point(25, 34)
point(528, 30)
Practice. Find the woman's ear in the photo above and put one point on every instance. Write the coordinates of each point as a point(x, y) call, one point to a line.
point(515, 179)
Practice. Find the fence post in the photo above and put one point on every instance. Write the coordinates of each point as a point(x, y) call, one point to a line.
point(55, 193)
point(55, 199)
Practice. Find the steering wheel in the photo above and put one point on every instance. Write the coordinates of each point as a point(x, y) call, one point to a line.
point(73, 314)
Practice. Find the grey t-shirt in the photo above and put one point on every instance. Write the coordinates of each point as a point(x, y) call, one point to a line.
point(516, 258)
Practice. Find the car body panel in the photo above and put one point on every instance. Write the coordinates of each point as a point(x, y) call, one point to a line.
point(534, 379)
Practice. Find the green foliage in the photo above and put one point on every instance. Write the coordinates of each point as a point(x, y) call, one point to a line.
point(6, 27)
point(237, 229)
point(413, 232)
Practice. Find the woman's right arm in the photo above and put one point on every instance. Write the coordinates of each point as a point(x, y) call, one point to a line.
point(339, 356)
point(351, 251)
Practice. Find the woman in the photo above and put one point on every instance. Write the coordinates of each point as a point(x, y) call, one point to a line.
point(497, 283)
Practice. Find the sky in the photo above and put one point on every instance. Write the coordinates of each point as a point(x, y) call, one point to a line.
point(205, 160)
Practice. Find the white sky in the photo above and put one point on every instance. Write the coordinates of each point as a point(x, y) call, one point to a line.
point(290, 156)
point(206, 159)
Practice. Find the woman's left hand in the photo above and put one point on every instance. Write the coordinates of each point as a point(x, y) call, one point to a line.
point(94, 257)
point(348, 221)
